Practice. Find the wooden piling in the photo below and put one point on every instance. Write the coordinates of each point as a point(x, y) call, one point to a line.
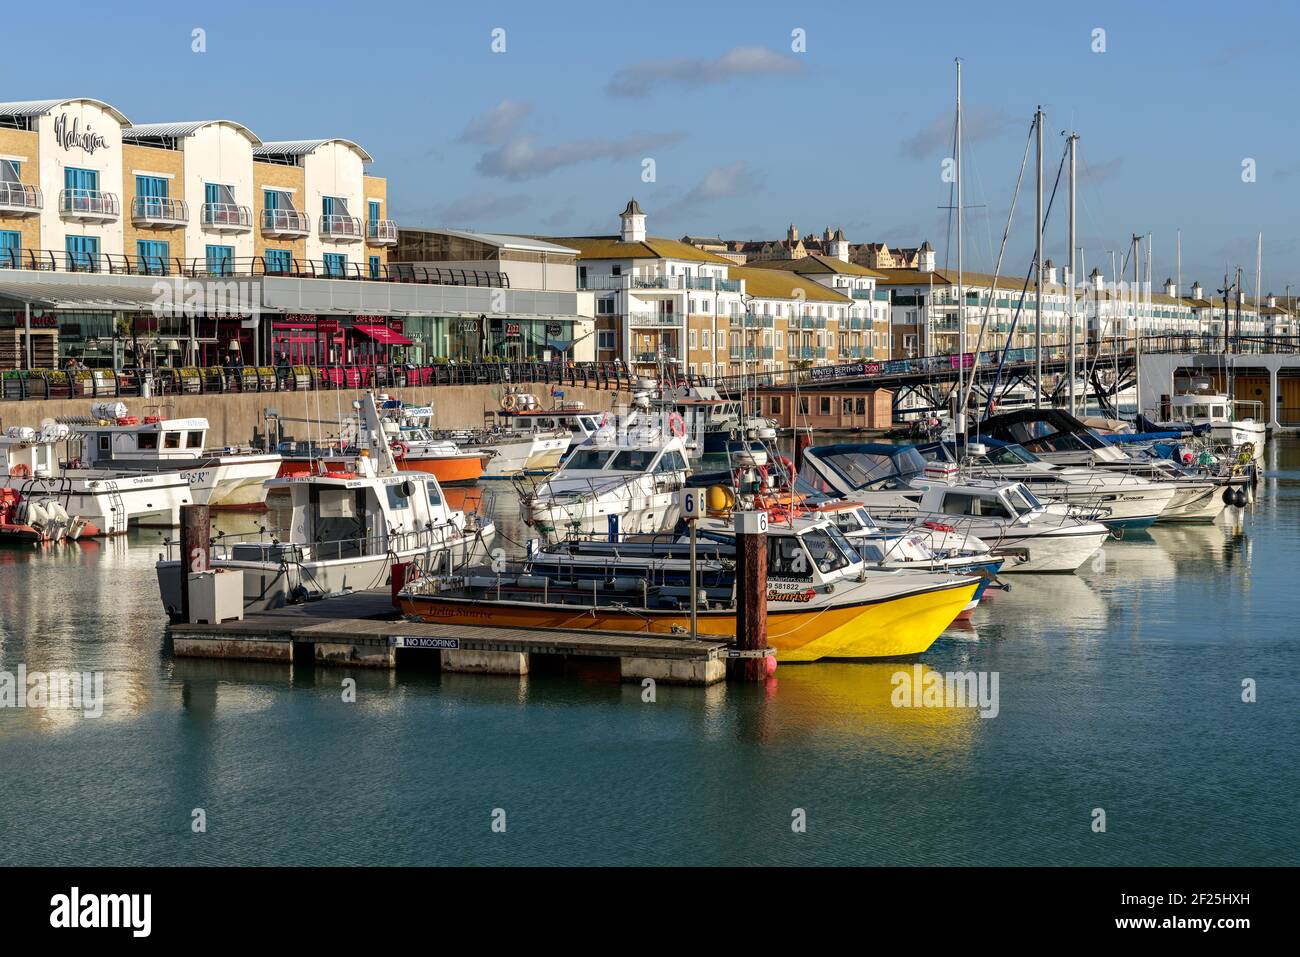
point(802, 439)
point(751, 597)
point(196, 536)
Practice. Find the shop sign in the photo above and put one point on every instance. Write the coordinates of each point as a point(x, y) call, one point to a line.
point(395, 325)
point(512, 330)
point(554, 330)
point(469, 325)
point(327, 325)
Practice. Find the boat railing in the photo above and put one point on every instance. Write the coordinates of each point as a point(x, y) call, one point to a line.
point(262, 546)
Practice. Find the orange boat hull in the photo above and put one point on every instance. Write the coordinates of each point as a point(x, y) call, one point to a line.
point(447, 469)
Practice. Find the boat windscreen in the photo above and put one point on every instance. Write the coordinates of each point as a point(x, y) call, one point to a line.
point(633, 460)
point(861, 468)
point(588, 459)
point(829, 549)
point(1008, 455)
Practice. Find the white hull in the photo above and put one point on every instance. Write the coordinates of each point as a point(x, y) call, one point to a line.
point(233, 481)
point(113, 502)
point(1062, 550)
point(1117, 505)
point(271, 585)
point(633, 512)
point(1239, 433)
point(1199, 502)
point(522, 457)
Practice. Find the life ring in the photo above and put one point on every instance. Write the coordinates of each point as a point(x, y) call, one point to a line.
point(21, 470)
point(75, 464)
point(676, 424)
point(509, 402)
point(399, 450)
point(788, 466)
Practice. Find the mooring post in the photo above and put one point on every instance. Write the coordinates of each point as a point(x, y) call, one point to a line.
point(751, 597)
point(196, 534)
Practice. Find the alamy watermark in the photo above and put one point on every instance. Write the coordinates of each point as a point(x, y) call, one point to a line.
point(180, 296)
point(923, 688)
point(53, 690)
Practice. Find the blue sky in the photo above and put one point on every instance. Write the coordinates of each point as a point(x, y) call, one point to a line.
point(746, 134)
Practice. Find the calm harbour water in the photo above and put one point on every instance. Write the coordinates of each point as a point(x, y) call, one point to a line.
point(1120, 688)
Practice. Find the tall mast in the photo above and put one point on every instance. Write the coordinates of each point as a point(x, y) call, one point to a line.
point(1137, 324)
point(1259, 262)
point(1038, 264)
point(1070, 281)
point(959, 423)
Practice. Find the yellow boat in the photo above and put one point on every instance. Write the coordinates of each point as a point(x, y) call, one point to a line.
point(835, 607)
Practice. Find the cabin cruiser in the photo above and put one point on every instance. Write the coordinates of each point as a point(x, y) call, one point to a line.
point(229, 477)
point(1121, 500)
point(525, 439)
point(346, 530)
point(1190, 410)
point(877, 474)
point(822, 601)
point(619, 482)
point(1011, 520)
point(102, 500)
point(713, 424)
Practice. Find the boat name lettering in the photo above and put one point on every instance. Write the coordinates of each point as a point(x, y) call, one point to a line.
point(796, 596)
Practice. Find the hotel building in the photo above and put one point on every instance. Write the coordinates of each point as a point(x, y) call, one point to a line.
point(95, 211)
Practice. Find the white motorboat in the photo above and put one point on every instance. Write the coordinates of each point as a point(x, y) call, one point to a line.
point(228, 477)
point(105, 499)
point(1121, 500)
point(346, 531)
point(1190, 410)
point(525, 439)
point(617, 483)
point(1008, 518)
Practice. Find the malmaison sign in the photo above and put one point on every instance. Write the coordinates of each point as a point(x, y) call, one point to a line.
point(73, 137)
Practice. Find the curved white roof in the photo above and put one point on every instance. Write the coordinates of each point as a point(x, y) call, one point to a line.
point(304, 147)
point(41, 107)
point(188, 128)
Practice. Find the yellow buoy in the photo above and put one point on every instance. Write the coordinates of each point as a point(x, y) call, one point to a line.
point(720, 498)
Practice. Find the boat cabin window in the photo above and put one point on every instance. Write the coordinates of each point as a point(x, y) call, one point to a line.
point(829, 549)
point(671, 462)
point(435, 498)
point(397, 497)
point(147, 441)
point(1218, 412)
point(340, 519)
point(171, 440)
point(964, 503)
point(786, 559)
point(105, 442)
point(194, 440)
point(633, 460)
point(1022, 500)
point(589, 459)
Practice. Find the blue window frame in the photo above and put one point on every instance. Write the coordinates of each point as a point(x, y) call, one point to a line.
point(152, 257)
point(372, 211)
point(374, 267)
point(11, 171)
point(81, 179)
point(11, 244)
point(221, 260)
point(271, 199)
point(83, 253)
point(330, 206)
point(336, 264)
point(278, 260)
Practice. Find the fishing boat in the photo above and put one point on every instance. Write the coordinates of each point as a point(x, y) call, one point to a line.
point(619, 482)
point(522, 438)
point(346, 530)
point(227, 477)
point(105, 500)
point(822, 601)
point(1188, 410)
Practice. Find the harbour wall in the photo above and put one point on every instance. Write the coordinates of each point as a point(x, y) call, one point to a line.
point(234, 418)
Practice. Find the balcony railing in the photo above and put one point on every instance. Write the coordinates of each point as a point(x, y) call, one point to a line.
point(285, 222)
point(654, 319)
point(341, 228)
point(19, 199)
point(59, 260)
point(157, 211)
point(89, 205)
point(381, 232)
point(861, 293)
point(227, 217)
point(752, 321)
point(728, 285)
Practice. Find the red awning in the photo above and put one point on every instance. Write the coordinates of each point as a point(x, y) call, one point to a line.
point(383, 335)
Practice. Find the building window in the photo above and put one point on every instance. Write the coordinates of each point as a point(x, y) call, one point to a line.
point(605, 339)
point(774, 404)
point(278, 260)
point(151, 194)
point(336, 264)
point(220, 260)
point(151, 257)
point(83, 253)
point(374, 261)
point(11, 244)
point(824, 405)
point(692, 338)
point(372, 211)
point(10, 170)
point(605, 307)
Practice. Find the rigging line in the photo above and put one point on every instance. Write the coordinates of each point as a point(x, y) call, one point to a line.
point(1047, 215)
point(997, 271)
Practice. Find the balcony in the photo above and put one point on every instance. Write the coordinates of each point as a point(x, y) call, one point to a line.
point(341, 229)
point(861, 294)
point(381, 232)
point(227, 218)
point(728, 285)
point(752, 321)
point(17, 199)
point(857, 324)
point(661, 319)
point(88, 205)
point(158, 213)
point(285, 223)
point(807, 322)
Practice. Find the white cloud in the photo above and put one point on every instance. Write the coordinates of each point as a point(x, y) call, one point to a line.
point(640, 79)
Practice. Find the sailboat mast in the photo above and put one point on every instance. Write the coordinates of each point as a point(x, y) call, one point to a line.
point(1070, 282)
point(1137, 324)
point(1038, 262)
point(959, 422)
